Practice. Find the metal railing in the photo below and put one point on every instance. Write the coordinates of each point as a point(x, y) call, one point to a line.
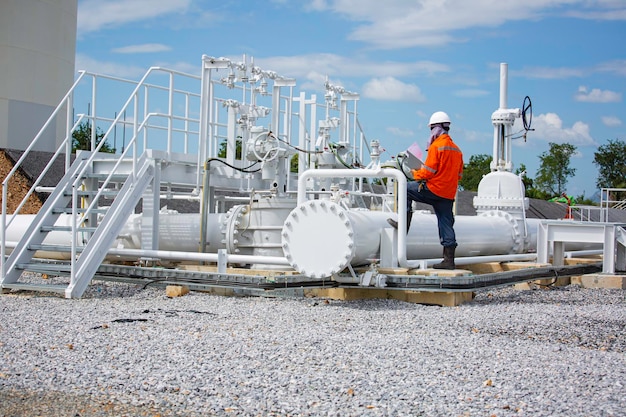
point(611, 198)
point(141, 124)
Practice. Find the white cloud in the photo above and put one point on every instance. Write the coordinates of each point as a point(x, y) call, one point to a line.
point(405, 133)
point(422, 114)
point(316, 6)
point(436, 22)
point(472, 136)
point(547, 73)
point(549, 127)
point(333, 65)
point(471, 93)
point(84, 62)
point(141, 49)
point(390, 88)
point(616, 66)
point(94, 15)
point(611, 121)
point(597, 96)
point(601, 10)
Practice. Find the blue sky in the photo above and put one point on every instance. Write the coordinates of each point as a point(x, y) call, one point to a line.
point(406, 58)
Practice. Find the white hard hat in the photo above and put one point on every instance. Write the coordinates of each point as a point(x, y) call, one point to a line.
point(439, 117)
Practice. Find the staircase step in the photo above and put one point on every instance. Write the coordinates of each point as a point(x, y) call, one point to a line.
point(66, 229)
point(103, 176)
point(57, 288)
point(68, 210)
point(106, 193)
point(46, 268)
point(54, 248)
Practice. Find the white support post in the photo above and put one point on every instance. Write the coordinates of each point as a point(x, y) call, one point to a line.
point(389, 248)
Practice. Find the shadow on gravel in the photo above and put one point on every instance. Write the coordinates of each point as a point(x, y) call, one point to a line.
point(20, 403)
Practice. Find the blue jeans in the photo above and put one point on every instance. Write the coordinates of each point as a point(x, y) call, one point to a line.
point(443, 210)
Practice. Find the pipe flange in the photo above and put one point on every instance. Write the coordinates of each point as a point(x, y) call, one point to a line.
point(318, 239)
point(518, 241)
point(233, 227)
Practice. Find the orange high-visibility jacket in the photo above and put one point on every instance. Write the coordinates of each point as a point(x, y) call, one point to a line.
point(443, 167)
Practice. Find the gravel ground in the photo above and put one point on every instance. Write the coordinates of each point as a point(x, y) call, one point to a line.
point(123, 350)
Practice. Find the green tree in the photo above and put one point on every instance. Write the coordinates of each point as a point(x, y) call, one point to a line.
point(581, 200)
point(293, 163)
point(81, 138)
point(526, 180)
point(474, 171)
point(555, 169)
point(529, 184)
point(221, 152)
point(611, 162)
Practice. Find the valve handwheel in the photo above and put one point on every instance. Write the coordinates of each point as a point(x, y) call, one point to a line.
point(527, 113)
point(264, 141)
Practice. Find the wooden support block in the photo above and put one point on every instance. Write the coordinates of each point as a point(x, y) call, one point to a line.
point(222, 291)
point(431, 272)
point(198, 268)
point(514, 266)
point(543, 283)
point(582, 261)
point(393, 271)
point(240, 271)
point(347, 294)
point(576, 280)
point(446, 299)
point(525, 286)
point(176, 290)
point(604, 281)
point(484, 268)
point(562, 282)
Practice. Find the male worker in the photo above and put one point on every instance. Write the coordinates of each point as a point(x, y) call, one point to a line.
point(436, 184)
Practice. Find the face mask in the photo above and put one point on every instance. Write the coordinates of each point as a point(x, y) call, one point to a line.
point(436, 131)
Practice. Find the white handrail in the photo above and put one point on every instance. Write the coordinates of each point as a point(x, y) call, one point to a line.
point(369, 173)
point(65, 101)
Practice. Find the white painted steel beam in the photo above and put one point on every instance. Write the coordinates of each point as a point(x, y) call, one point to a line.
point(556, 234)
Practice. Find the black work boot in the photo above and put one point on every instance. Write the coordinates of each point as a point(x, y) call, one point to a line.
point(448, 258)
point(394, 224)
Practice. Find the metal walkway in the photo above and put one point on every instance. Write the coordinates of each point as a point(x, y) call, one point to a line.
point(258, 283)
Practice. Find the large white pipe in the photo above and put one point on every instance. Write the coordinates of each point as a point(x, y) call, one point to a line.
point(321, 238)
point(177, 232)
point(424, 241)
point(179, 235)
point(493, 233)
point(475, 235)
point(397, 175)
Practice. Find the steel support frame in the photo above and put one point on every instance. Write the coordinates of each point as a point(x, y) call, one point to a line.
point(558, 233)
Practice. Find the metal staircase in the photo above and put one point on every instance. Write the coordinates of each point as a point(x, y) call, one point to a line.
point(92, 229)
point(84, 213)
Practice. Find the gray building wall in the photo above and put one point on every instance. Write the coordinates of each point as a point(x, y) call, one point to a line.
point(37, 55)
